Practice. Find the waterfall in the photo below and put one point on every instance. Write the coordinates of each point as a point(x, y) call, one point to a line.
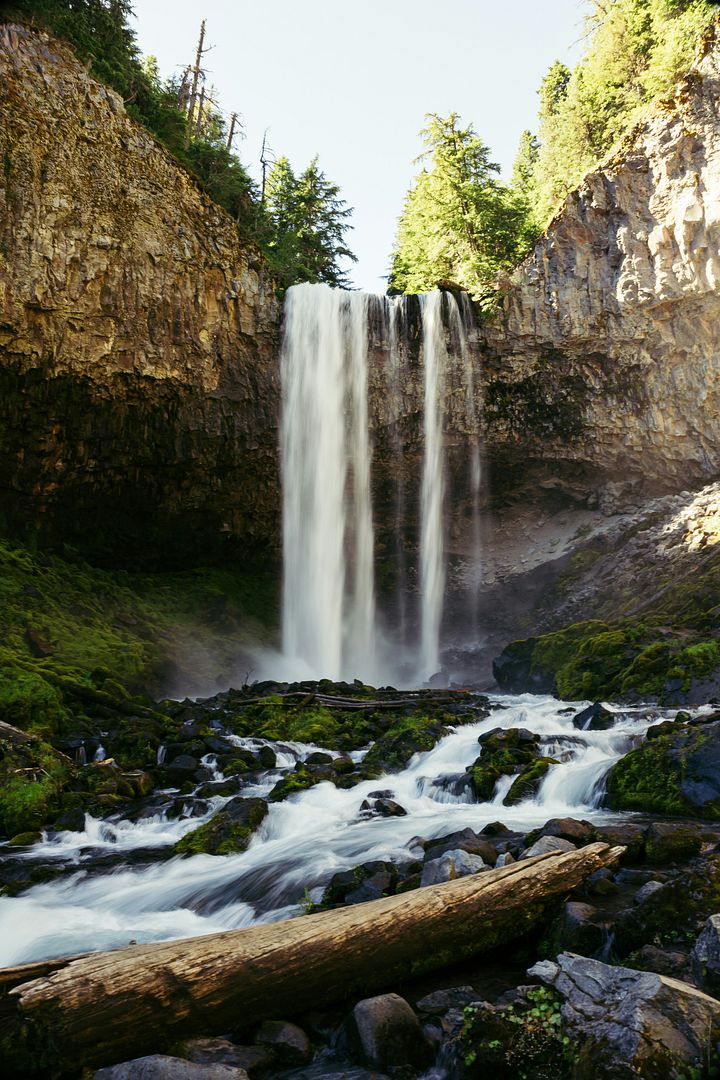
point(333, 626)
point(432, 565)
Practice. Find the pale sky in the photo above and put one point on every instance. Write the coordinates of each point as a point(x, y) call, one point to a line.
point(352, 83)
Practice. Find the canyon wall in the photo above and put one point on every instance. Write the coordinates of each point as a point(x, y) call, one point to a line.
point(139, 383)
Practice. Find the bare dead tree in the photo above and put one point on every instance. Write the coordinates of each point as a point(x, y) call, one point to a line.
point(267, 158)
point(197, 74)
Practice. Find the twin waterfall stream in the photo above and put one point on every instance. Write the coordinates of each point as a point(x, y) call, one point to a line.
point(331, 624)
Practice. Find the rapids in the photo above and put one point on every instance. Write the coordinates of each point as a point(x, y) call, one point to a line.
point(303, 841)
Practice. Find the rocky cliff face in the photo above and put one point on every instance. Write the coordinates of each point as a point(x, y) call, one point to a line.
point(138, 338)
point(612, 328)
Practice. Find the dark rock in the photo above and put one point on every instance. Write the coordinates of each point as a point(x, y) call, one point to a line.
point(630, 1023)
point(662, 961)
point(71, 820)
point(383, 1032)
point(465, 840)
point(440, 1001)
point(645, 891)
point(514, 671)
point(319, 758)
point(288, 1042)
point(451, 865)
point(495, 828)
point(389, 808)
point(668, 842)
point(705, 956)
point(578, 832)
point(373, 887)
point(230, 786)
point(346, 887)
point(546, 844)
point(161, 1067)
point(182, 768)
point(228, 831)
point(595, 718)
point(628, 835)
point(578, 928)
point(257, 1061)
point(267, 757)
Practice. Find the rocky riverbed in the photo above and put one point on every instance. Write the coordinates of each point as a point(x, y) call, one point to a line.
point(279, 799)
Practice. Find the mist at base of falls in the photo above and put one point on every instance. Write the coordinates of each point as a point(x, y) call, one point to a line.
point(339, 619)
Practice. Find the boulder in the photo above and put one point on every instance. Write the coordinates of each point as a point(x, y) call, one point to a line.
point(257, 1061)
point(705, 956)
point(451, 865)
point(288, 1042)
point(227, 832)
point(162, 1067)
point(546, 844)
point(577, 832)
point(578, 928)
point(669, 842)
point(440, 1001)
point(662, 961)
point(629, 1023)
point(595, 718)
point(383, 1032)
point(515, 672)
point(466, 840)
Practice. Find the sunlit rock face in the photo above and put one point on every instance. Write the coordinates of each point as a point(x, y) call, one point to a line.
point(138, 337)
point(619, 306)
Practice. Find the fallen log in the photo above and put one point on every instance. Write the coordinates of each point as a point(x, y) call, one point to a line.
point(107, 1007)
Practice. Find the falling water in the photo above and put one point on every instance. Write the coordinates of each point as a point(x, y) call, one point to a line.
point(331, 625)
point(432, 560)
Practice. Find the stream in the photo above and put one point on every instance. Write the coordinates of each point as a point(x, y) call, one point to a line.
point(303, 841)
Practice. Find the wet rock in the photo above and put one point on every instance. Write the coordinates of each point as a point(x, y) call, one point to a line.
point(504, 859)
point(668, 842)
point(346, 887)
point(382, 807)
point(577, 832)
point(504, 752)
point(464, 840)
point(645, 891)
point(546, 844)
point(705, 956)
point(266, 757)
point(595, 718)
point(161, 1067)
point(601, 883)
point(578, 928)
point(228, 831)
point(630, 1023)
point(319, 758)
point(662, 961)
point(288, 1042)
point(451, 865)
point(515, 673)
point(658, 911)
point(181, 769)
point(381, 883)
point(496, 828)
point(230, 786)
point(440, 1001)
point(383, 1032)
point(71, 820)
point(257, 1061)
point(528, 782)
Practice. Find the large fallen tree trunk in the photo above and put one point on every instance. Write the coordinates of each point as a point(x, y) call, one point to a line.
point(108, 1007)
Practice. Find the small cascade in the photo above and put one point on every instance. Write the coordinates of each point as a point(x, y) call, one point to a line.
point(333, 371)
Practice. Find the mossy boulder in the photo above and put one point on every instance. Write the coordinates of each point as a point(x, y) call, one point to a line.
point(505, 752)
point(227, 832)
point(33, 777)
point(299, 780)
point(676, 774)
point(528, 782)
point(628, 661)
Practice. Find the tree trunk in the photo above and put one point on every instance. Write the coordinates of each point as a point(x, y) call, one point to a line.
point(109, 1007)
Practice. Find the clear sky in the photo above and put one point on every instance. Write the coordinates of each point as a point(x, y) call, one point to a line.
point(352, 82)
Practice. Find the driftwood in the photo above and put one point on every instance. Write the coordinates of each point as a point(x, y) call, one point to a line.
point(107, 1007)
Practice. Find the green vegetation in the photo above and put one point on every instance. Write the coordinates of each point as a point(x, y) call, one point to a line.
point(228, 832)
point(299, 226)
point(637, 51)
point(32, 777)
point(460, 225)
point(523, 1040)
point(65, 619)
point(510, 752)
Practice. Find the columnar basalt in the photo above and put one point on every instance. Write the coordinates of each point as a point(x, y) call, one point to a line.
point(138, 336)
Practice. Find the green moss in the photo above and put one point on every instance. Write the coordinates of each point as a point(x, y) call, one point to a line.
point(32, 778)
point(527, 784)
point(300, 780)
point(228, 832)
point(408, 736)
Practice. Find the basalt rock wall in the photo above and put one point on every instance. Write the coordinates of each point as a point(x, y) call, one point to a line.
point(610, 335)
point(139, 381)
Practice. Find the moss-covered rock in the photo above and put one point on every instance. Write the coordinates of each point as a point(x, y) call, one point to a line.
point(676, 774)
point(32, 779)
point(632, 660)
point(228, 832)
point(528, 782)
point(505, 752)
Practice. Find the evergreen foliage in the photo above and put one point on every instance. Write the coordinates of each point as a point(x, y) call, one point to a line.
point(302, 240)
point(637, 51)
point(460, 224)
point(307, 223)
